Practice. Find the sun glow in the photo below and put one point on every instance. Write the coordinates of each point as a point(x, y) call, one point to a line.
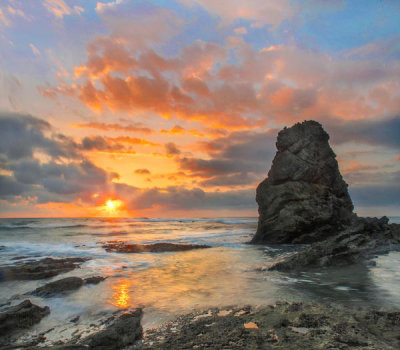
point(113, 207)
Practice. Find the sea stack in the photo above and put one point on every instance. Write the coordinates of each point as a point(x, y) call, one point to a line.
point(304, 199)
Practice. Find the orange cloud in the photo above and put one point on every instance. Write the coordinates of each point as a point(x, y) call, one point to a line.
point(115, 127)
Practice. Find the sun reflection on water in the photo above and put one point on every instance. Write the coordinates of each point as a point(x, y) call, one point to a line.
point(121, 294)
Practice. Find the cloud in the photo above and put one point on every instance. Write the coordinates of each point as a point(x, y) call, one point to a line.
point(260, 12)
point(178, 198)
point(136, 127)
point(33, 131)
point(60, 9)
point(139, 23)
point(100, 144)
point(240, 30)
point(384, 132)
point(375, 196)
point(10, 187)
point(35, 50)
point(142, 171)
point(47, 165)
point(172, 149)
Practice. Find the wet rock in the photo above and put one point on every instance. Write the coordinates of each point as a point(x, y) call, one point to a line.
point(94, 279)
point(125, 247)
point(65, 285)
point(75, 319)
point(362, 241)
point(61, 286)
point(120, 332)
point(304, 198)
point(39, 269)
point(327, 327)
point(18, 317)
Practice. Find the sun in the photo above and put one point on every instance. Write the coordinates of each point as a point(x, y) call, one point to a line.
point(111, 204)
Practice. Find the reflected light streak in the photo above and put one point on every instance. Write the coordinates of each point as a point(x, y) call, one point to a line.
point(121, 296)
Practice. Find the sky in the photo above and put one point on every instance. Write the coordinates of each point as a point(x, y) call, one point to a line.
point(171, 108)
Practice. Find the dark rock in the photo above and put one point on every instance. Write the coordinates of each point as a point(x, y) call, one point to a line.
point(94, 279)
point(121, 332)
point(361, 241)
point(75, 319)
point(61, 286)
point(304, 199)
point(21, 316)
point(281, 326)
point(39, 269)
point(124, 247)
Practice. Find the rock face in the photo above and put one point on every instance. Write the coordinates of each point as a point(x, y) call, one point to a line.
point(21, 316)
point(304, 199)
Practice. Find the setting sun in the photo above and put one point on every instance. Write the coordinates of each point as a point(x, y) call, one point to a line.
point(111, 204)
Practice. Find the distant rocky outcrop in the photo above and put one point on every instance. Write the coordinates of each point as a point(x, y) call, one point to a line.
point(305, 200)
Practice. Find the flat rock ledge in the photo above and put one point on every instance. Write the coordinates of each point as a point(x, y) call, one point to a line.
point(64, 286)
point(39, 269)
point(126, 247)
point(280, 326)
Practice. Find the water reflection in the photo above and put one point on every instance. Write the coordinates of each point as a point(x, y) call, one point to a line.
point(121, 296)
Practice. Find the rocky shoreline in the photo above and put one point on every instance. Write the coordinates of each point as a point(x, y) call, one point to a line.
point(280, 326)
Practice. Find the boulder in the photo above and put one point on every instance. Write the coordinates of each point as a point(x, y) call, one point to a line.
point(304, 198)
point(119, 333)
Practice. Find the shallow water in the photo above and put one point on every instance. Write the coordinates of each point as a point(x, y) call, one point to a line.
point(167, 284)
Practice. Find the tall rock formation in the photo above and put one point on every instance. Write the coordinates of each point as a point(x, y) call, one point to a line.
point(304, 199)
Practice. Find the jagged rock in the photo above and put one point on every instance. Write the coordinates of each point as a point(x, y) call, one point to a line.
point(125, 247)
point(123, 331)
point(39, 269)
point(360, 242)
point(304, 199)
point(21, 316)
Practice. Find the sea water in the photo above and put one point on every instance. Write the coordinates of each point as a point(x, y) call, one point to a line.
point(167, 284)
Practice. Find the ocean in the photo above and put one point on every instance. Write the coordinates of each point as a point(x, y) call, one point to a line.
point(167, 284)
